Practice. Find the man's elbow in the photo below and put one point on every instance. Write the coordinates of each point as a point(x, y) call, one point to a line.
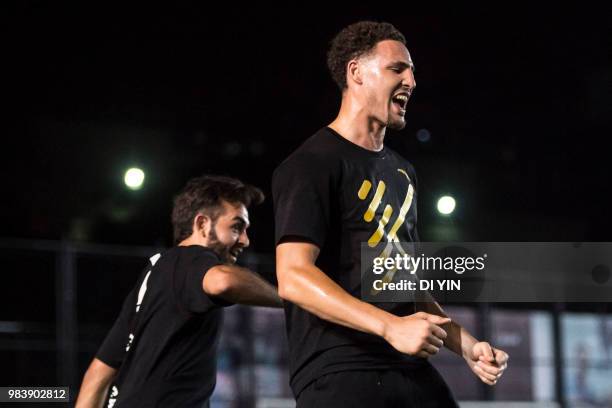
point(287, 289)
point(219, 283)
point(284, 292)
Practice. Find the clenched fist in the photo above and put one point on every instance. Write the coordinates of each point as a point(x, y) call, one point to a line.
point(487, 362)
point(418, 334)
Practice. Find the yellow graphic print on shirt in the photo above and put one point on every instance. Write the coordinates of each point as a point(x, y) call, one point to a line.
point(380, 232)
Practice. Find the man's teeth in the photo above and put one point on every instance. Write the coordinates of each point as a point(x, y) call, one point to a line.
point(401, 100)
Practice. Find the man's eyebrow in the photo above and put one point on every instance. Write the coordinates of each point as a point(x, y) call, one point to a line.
point(403, 65)
point(241, 219)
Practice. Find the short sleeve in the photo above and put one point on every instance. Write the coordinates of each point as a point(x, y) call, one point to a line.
point(302, 188)
point(413, 179)
point(189, 275)
point(112, 351)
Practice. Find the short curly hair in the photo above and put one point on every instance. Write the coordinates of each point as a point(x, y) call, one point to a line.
point(354, 41)
point(204, 195)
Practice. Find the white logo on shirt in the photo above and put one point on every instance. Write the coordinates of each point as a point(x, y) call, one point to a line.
point(127, 348)
point(141, 294)
point(113, 397)
point(142, 291)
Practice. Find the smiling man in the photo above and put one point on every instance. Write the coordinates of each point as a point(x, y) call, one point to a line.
point(161, 352)
point(340, 189)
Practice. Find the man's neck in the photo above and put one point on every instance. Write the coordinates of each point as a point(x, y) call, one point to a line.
point(354, 124)
point(194, 239)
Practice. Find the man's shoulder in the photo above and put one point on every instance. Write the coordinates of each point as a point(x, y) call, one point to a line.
point(319, 151)
point(188, 255)
point(323, 144)
point(401, 161)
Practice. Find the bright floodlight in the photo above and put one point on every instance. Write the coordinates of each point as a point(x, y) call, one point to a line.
point(134, 178)
point(446, 205)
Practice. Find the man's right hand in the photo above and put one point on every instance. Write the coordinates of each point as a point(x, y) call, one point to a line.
point(418, 334)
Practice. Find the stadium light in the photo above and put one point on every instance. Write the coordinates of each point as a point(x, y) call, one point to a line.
point(446, 205)
point(134, 178)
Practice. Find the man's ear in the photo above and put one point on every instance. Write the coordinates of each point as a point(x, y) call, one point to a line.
point(353, 72)
point(201, 225)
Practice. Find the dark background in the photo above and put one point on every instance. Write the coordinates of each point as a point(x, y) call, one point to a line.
point(517, 105)
point(518, 110)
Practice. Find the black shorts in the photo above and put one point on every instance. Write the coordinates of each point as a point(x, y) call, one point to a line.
point(422, 387)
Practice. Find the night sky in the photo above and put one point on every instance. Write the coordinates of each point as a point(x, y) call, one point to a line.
point(518, 109)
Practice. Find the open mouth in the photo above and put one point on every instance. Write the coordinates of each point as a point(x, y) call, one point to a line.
point(400, 100)
point(235, 252)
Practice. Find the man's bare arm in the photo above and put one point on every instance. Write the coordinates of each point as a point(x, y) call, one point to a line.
point(301, 282)
point(459, 340)
point(240, 285)
point(486, 362)
point(96, 381)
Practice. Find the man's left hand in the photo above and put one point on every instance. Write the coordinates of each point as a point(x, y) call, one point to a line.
point(487, 363)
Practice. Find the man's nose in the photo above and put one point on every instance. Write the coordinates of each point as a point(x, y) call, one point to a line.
point(244, 239)
point(408, 79)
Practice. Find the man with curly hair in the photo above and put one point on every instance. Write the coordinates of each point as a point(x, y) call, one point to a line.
point(161, 352)
point(342, 188)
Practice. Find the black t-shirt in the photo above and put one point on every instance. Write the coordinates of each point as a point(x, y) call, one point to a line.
point(164, 342)
point(339, 195)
